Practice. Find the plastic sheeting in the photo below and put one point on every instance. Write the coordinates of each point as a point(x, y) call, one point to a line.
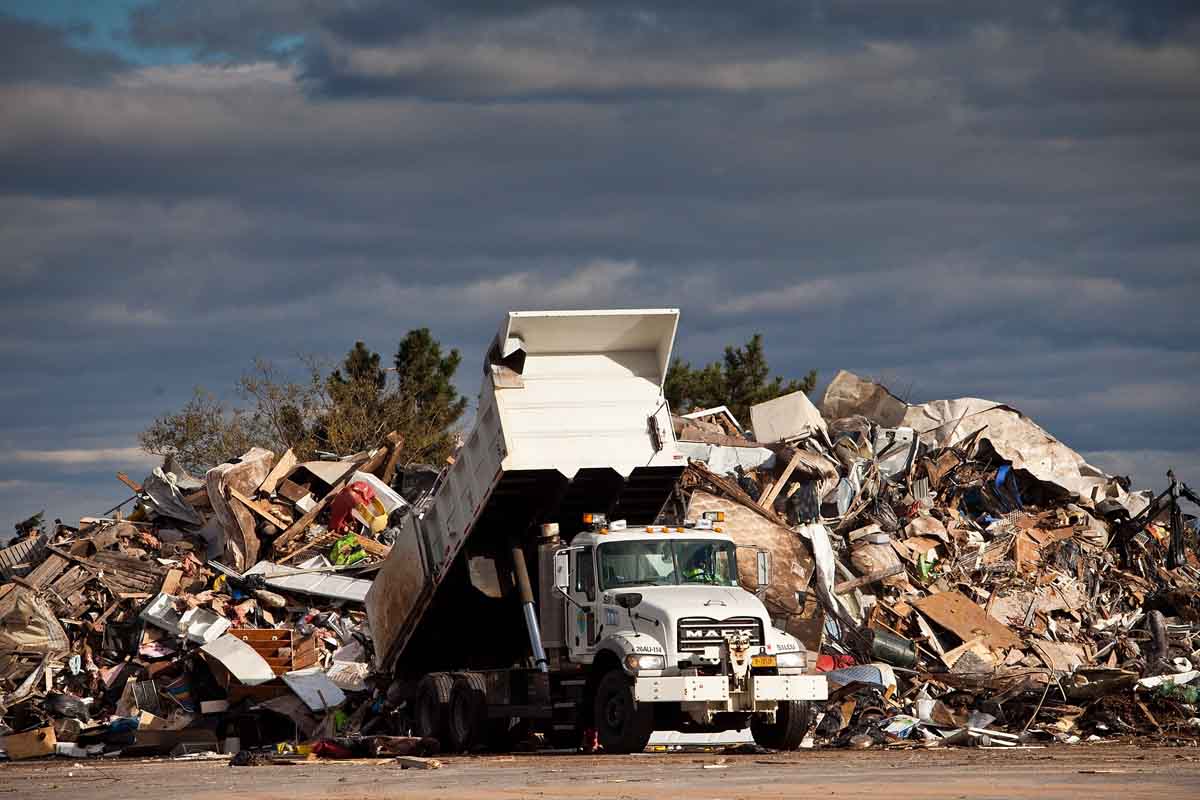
point(163, 493)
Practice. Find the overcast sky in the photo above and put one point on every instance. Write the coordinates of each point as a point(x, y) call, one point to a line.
point(962, 198)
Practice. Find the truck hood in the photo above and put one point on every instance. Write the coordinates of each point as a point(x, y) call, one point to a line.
point(669, 604)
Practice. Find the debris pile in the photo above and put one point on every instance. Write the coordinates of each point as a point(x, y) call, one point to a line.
point(221, 614)
point(960, 576)
point(966, 577)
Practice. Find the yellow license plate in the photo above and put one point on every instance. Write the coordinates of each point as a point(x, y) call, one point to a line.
point(762, 661)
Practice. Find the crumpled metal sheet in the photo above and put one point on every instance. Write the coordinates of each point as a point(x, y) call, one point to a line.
point(1019, 440)
point(1013, 436)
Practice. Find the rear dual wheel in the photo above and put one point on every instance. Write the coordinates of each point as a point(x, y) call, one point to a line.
point(431, 712)
point(468, 713)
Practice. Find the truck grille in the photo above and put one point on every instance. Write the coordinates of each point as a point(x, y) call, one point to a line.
point(697, 633)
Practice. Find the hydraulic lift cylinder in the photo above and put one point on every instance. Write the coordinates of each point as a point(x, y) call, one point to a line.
point(525, 593)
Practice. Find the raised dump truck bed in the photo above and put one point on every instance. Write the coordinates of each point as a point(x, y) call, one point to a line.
point(571, 419)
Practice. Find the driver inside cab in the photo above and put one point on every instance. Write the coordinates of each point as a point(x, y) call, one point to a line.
point(700, 567)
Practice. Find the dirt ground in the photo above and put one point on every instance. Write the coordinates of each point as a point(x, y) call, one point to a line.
point(1092, 771)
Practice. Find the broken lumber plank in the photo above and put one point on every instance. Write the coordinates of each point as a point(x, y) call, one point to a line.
point(768, 500)
point(389, 470)
point(372, 547)
point(257, 508)
point(282, 467)
point(871, 577)
point(299, 526)
point(374, 460)
point(327, 538)
point(40, 577)
point(132, 484)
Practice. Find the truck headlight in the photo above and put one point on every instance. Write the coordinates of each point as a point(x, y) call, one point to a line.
point(635, 662)
point(792, 659)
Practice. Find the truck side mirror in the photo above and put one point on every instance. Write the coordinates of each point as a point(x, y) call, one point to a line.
point(562, 571)
point(764, 569)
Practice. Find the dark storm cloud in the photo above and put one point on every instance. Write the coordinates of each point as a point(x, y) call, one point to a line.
point(956, 199)
point(37, 52)
point(397, 49)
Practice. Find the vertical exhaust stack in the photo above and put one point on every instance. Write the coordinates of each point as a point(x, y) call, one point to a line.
point(525, 593)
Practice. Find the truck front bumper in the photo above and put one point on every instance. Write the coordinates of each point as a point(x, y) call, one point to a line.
point(714, 690)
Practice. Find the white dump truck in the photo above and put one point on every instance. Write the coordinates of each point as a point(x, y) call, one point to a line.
point(537, 591)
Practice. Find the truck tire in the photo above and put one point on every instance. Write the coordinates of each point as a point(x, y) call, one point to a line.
point(431, 715)
point(623, 725)
point(792, 719)
point(467, 722)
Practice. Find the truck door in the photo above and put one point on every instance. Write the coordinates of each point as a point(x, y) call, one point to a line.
point(581, 614)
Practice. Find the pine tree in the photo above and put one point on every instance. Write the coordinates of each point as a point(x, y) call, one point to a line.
point(740, 380)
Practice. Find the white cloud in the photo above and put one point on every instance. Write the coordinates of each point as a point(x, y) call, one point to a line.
point(122, 314)
point(595, 283)
point(99, 455)
point(797, 296)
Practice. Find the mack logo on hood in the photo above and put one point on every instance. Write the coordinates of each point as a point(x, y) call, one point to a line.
point(715, 633)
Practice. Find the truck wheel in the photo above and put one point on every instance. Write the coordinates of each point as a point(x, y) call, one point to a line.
point(792, 719)
point(468, 712)
point(623, 725)
point(431, 715)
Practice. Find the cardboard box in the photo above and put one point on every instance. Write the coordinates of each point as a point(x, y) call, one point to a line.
point(31, 744)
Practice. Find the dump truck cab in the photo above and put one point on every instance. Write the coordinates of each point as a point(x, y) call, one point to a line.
point(672, 639)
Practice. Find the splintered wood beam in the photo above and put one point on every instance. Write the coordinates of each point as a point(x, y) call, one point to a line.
point(257, 508)
point(768, 500)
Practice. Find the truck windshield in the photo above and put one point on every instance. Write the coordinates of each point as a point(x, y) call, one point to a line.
point(667, 562)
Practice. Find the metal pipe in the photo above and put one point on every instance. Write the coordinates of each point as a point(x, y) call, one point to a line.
point(525, 592)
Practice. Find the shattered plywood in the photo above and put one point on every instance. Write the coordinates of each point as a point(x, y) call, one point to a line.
point(956, 613)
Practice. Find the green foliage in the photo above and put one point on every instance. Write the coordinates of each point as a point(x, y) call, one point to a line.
point(429, 404)
point(202, 434)
point(740, 380)
point(344, 410)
